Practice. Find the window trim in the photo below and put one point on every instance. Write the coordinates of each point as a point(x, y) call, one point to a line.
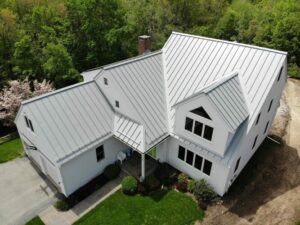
point(192, 155)
point(201, 162)
point(210, 168)
point(193, 124)
point(184, 153)
point(202, 128)
point(212, 133)
point(100, 148)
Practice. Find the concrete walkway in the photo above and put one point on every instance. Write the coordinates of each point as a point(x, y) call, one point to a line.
point(51, 216)
point(24, 193)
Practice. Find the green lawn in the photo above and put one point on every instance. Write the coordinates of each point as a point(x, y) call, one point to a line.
point(161, 208)
point(35, 221)
point(10, 150)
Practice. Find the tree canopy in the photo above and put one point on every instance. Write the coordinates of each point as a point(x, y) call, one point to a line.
point(58, 39)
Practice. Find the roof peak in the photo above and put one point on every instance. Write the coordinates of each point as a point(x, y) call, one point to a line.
point(210, 87)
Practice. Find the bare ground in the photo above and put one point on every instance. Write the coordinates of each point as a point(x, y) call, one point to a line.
point(268, 189)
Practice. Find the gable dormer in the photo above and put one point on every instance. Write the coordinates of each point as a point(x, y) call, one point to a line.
point(210, 117)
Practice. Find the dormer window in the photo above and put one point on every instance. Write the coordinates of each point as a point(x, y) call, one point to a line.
point(208, 132)
point(199, 128)
point(201, 112)
point(105, 81)
point(189, 124)
point(28, 123)
point(117, 104)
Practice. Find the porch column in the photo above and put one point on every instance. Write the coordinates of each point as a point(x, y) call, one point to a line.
point(143, 166)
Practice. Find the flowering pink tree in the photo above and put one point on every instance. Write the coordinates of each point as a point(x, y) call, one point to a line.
point(16, 92)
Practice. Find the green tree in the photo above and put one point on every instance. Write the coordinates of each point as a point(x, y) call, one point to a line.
point(94, 32)
point(58, 66)
point(8, 35)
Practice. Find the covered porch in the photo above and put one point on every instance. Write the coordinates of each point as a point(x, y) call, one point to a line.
point(139, 165)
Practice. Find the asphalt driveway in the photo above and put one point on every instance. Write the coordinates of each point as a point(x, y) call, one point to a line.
point(23, 192)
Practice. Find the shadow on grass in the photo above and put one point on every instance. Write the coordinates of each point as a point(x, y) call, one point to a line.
point(273, 170)
point(158, 195)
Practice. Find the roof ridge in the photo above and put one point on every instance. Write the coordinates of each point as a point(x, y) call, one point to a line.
point(217, 83)
point(56, 92)
point(132, 59)
point(230, 42)
point(126, 61)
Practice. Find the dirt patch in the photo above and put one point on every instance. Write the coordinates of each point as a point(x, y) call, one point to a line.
point(268, 189)
point(282, 117)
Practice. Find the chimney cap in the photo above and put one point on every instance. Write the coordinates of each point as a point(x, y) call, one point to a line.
point(144, 37)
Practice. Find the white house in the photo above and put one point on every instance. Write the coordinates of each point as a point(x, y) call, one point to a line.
point(205, 104)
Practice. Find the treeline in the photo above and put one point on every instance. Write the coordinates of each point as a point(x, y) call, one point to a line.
point(57, 39)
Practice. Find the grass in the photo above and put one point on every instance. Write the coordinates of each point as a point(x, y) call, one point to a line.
point(35, 221)
point(10, 150)
point(160, 207)
point(152, 152)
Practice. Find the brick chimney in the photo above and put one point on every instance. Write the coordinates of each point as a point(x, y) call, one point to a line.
point(144, 44)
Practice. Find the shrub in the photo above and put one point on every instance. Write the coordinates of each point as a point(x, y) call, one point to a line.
point(129, 185)
point(152, 183)
point(81, 193)
point(204, 192)
point(62, 205)
point(181, 186)
point(191, 186)
point(166, 174)
point(182, 178)
point(112, 171)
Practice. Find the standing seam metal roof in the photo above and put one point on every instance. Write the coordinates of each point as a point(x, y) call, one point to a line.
point(129, 132)
point(140, 80)
point(69, 120)
point(193, 63)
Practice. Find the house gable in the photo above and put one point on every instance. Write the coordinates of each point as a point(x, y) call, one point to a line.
point(212, 134)
point(138, 85)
